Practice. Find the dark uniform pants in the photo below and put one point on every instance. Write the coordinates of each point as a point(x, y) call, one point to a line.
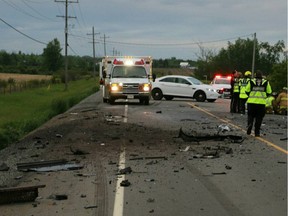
point(257, 112)
point(235, 103)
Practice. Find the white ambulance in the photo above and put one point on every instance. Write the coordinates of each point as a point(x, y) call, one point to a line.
point(126, 77)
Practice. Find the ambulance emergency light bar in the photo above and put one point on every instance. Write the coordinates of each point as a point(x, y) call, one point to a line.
point(128, 62)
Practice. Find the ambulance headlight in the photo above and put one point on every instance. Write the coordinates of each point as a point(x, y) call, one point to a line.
point(145, 87)
point(116, 87)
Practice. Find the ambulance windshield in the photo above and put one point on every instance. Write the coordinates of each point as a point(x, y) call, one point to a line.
point(129, 72)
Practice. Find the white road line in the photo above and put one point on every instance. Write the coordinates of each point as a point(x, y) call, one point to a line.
point(119, 194)
point(125, 114)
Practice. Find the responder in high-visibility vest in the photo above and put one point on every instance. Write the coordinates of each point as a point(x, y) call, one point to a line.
point(243, 96)
point(236, 92)
point(282, 101)
point(271, 106)
point(257, 90)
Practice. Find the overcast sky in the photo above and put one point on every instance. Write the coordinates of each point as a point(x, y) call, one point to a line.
point(159, 28)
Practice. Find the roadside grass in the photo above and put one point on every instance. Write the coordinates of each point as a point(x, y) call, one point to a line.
point(22, 112)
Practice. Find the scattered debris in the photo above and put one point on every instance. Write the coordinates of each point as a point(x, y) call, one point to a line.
point(124, 171)
point(219, 173)
point(113, 119)
point(149, 180)
point(217, 137)
point(228, 167)
point(59, 135)
point(58, 197)
point(78, 151)
point(48, 166)
point(282, 162)
point(4, 167)
point(152, 162)
point(19, 194)
point(185, 150)
point(90, 207)
point(150, 200)
point(125, 183)
point(223, 128)
point(147, 158)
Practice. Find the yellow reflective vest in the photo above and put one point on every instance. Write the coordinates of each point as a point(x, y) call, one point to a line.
point(236, 88)
point(242, 84)
point(257, 89)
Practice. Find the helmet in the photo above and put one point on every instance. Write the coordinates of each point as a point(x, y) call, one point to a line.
point(274, 94)
point(247, 73)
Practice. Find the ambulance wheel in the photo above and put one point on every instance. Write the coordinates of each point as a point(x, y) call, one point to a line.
point(144, 101)
point(111, 100)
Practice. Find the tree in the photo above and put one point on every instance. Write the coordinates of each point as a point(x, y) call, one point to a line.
point(52, 58)
point(278, 77)
point(269, 56)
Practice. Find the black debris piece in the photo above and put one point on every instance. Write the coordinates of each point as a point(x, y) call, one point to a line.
point(219, 173)
point(90, 207)
point(4, 167)
point(149, 180)
point(282, 162)
point(228, 167)
point(217, 137)
point(78, 151)
point(124, 171)
point(125, 183)
point(19, 194)
point(60, 197)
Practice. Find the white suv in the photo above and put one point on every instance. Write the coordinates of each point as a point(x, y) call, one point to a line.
point(223, 84)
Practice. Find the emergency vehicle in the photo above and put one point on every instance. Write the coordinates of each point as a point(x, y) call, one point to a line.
point(124, 77)
point(223, 85)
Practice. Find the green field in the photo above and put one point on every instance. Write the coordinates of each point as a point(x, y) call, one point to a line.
point(22, 112)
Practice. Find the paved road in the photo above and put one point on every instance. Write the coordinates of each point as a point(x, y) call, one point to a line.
point(251, 181)
point(169, 175)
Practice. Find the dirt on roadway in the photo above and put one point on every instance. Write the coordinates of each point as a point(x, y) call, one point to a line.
point(85, 136)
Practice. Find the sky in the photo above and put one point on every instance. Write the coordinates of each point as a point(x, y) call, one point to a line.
point(157, 28)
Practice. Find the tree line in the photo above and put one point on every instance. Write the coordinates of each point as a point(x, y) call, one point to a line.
point(270, 59)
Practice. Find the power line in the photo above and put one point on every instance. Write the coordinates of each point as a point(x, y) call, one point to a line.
point(22, 32)
point(175, 44)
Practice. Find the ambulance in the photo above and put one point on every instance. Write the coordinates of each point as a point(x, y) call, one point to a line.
point(126, 77)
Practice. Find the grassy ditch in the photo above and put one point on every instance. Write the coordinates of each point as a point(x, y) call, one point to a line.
point(22, 112)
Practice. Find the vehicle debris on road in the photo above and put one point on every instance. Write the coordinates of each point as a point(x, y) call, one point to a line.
point(19, 194)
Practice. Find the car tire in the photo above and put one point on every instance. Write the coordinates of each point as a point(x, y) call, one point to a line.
point(144, 101)
point(211, 100)
point(157, 94)
point(168, 97)
point(200, 96)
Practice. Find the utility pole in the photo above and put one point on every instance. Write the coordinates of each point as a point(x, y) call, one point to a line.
point(253, 59)
point(94, 59)
point(66, 37)
point(104, 44)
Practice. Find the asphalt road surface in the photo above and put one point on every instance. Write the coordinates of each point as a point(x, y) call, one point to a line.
point(137, 164)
